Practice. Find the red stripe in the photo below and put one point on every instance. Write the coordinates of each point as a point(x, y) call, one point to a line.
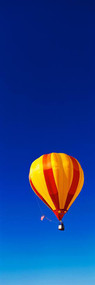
point(35, 190)
point(59, 215)
point(49, 178)
point(74, 184)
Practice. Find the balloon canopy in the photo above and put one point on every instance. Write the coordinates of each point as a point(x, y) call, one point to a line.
point(57, 180)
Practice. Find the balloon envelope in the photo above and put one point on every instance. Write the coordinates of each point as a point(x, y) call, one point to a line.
point(57, 180)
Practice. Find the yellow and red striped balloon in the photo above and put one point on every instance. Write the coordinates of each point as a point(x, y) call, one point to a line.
point(57, 180)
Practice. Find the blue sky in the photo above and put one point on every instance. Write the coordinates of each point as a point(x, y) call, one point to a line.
point(47, 71)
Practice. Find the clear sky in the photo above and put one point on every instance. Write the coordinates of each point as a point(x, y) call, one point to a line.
point(47, 104)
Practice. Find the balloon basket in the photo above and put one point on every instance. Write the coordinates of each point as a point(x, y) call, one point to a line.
point(61, 226)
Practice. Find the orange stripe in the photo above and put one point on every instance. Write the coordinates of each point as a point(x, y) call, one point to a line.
point(37, 193)
point(49, 178)
point(74, 184)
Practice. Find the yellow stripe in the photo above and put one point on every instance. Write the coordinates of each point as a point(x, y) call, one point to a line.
point(80, 185)
point(63, 174)
point(37, 176)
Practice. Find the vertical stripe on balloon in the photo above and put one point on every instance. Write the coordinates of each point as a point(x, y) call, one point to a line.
point(74, 184)
point(50, 181)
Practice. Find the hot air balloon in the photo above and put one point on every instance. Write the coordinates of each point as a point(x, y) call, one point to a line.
point(57, 180)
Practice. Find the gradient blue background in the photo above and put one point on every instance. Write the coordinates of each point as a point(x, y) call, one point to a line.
point(47, 104)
